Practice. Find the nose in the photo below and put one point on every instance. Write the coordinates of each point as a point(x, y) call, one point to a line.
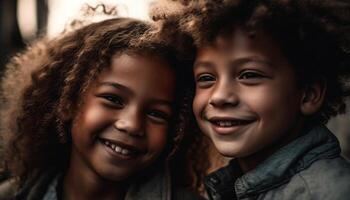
point(224, 95)
point(130, 122)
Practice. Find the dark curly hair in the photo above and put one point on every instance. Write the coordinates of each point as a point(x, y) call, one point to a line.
point(46, 82)
point(313, 34)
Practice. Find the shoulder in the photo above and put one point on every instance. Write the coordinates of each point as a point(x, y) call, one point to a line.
point(327, 178)
point(33, 188)
point(7, 189)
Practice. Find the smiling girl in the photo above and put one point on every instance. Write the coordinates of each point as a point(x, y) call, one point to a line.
point(91, 115)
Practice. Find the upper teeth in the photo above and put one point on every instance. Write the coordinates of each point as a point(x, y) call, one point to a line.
point(117, 148)
point(230, 123)
point(224, 123)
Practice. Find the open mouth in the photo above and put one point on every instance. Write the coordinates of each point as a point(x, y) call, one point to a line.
point(119, 148)
point(228, 126)
point(230, 123)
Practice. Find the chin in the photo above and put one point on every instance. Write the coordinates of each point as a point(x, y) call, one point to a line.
point(226, 151)
point(230, 154)
point(113, 176)
point(233, 154)
point(231, 150)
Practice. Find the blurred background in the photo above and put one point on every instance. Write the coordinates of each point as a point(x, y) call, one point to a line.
point(22, 21)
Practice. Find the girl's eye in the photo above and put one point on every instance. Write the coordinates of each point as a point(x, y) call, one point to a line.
point(158, 116)
point(205, 78)
point(114, 99)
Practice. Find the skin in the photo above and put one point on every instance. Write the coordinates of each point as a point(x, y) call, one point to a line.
point(130, 105)
point(247, 80)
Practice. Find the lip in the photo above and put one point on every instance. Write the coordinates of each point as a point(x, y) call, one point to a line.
point(237, 123)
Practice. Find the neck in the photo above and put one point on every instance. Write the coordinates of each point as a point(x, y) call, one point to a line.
point(82, 182)
point(250, 162)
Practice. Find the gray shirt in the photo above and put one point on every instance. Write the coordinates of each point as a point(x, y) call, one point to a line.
point(157, 187)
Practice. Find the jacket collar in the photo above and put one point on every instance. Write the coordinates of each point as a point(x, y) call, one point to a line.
point(317, 144)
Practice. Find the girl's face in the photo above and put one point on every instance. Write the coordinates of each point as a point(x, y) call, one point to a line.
point(122, 125)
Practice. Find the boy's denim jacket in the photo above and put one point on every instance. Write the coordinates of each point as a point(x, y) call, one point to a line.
point(310, 167)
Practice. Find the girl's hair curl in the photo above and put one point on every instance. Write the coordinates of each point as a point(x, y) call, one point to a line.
point(43, 87)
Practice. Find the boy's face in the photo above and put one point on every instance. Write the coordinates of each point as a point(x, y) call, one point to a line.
point(121, 127)
point(246, 97)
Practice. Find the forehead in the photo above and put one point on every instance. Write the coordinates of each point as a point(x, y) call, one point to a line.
point(142, 74)
point(239, 44)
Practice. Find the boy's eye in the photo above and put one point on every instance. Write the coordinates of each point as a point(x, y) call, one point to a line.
point(250, 75)
point(205, 78)
point(113, 99)
point(158, 116)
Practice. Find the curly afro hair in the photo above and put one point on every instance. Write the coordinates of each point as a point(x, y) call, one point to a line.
point(46, 83)
point(313, 34)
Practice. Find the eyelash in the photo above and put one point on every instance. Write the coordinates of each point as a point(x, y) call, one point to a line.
point(114, 99)
point(158, 116)
point(250, 75)
point(205, 78)
point(243, 75)
point(155, 115)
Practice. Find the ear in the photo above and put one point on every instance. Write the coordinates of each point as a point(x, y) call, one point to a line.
point(313, 97)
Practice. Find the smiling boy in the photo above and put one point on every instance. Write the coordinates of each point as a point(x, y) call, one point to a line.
point(268, 76)
point(239, 85)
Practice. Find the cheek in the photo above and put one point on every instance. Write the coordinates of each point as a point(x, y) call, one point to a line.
point(259, 100)
point(267, 100)
point(89, 121)
point(199, 102)
point(284, 103)
point(95, 115)
point(157, 138)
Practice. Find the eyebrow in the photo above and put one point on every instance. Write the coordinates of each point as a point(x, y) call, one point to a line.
point(241, 61)
point(236, 62)
point(206, 64)
point(117, 86)
point(127, 90)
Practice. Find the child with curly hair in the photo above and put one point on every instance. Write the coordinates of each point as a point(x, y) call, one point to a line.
point(95, 114)
point(268, 77)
